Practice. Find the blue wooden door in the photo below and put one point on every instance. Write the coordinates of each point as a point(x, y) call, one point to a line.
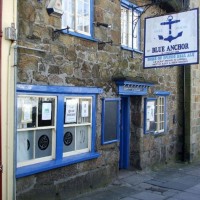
point(125, 133)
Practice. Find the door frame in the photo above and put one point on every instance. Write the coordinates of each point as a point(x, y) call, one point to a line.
point(1, 32)
point(124, 161)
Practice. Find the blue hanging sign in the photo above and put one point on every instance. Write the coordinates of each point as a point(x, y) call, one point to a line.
point(172, 39)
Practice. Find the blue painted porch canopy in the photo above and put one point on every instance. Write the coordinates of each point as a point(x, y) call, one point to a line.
point(132, 87)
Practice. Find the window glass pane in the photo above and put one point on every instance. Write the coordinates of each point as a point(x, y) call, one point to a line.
point(160, 114)
point(46, 111)
point(77, 15)
point(150, 116)
point(111, 125)
point(124, 25)
point(83, 16)
point(69, 14)
point(25, 146)
point(84, 110)
point(80, 15)
point(135, 30)
point(76, 136)
point(81, 137)
point(71, 110)
point(69, 139)
point(26, 112)
point(43, 143)
point(130, 28)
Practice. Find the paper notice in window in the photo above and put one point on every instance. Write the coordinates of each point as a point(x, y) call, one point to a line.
point(46, 111)
point(71, 111)
point(150, 111)
point(84, 110)
point(27, 113)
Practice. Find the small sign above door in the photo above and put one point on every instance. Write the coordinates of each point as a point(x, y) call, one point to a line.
point(132, 88)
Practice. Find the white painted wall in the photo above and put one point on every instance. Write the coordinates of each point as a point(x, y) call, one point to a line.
point(7, 98)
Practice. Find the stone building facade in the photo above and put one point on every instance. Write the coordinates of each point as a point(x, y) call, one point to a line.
point(65, 60)
point(192, 106)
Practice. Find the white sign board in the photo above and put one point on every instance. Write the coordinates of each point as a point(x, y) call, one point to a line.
point(172, 40)
point(27, 113)
point(46, 111)
point(71, 110)
point(85, 108)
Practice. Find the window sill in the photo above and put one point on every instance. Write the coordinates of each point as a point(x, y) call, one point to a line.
point(45, 166)
point(159, 134)
point(130, 49)
point(156, 134)
point(79, 35)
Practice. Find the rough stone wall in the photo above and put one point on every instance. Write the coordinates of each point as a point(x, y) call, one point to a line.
point(192, 106)
point(73, 61)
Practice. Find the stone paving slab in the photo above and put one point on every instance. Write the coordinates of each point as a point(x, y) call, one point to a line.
point(178, 182)
point(128, 198)
point(123, 191)
point(194, 190)
point(137, 179)
point(187, 196)
point(146, 195)
point(169, 184)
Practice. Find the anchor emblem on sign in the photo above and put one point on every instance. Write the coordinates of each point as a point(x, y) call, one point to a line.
point(170, 36)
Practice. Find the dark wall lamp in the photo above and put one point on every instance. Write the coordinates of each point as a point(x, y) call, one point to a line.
point(108, 42)
point(56, 33)
point(103, 24)
point(102, 44)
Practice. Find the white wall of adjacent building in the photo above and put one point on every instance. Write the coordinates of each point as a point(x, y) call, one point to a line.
point(7, 87)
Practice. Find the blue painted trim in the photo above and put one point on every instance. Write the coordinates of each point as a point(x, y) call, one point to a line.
point(124, 161)
point(92, 18)
point(133, 83)
point(104, 100)
point(79, 35)
point(169, 54)
point(172, 65)
point(84, 36)
point(129, 5)
point(130, 49)
point(142, 91)
point(145, 114)
point(197, 33)
point(44, 166)
point(59, 127)
point(57, 89)
point(60, 92)
point(93, 136)
point(162, 93)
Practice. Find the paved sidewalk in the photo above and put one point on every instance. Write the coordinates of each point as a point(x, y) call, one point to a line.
point(175, 182)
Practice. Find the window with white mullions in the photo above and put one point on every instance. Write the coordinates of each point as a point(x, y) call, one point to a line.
point(77, 16)
point(156, 113)
point(55, 128)
point(130, 24)
point(35, 129)
point(160, 114)
point(77, 125)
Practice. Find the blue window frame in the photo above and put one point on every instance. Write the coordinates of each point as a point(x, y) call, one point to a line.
point(130, 26)
point(155, 117)
point(78, 17)
point(110, 120)
point(45, 118)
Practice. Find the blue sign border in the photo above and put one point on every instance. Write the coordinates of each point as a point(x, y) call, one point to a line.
point(172, 65)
